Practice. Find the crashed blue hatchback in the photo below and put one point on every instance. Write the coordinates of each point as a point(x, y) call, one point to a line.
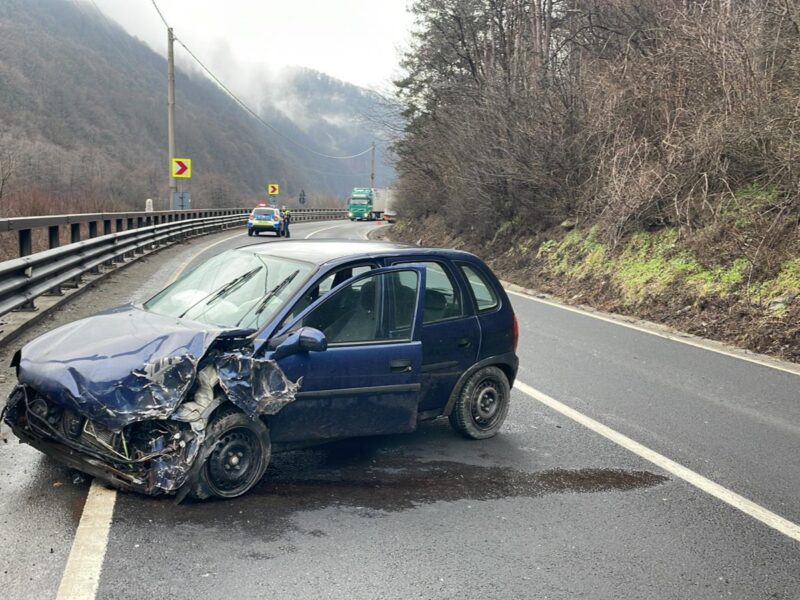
point(269, 348)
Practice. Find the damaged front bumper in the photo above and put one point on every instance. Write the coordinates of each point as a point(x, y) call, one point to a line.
point(152, 458)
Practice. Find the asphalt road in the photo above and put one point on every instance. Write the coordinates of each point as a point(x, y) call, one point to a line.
point(547, 509)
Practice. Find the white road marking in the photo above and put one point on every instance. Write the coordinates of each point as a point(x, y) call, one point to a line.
point(325, 229)
point(194, 255)
point(82, 573)
point(85, 563)
point(750, 508)
point(764, 362)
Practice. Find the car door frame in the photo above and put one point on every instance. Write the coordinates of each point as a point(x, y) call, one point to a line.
point(391, 408)
point(442, 376)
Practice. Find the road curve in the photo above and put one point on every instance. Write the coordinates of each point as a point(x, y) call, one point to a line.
point(547, 509)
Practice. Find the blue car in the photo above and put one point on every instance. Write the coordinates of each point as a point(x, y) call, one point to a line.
point(267, 348)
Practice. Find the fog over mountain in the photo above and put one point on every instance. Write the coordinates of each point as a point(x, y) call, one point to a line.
point(83, 111)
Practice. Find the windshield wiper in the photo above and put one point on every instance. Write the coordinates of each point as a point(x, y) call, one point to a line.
point(224, 290)
point(262, 305)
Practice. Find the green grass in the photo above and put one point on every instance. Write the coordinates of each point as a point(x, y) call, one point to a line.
point(787, 281)
point(654, 264)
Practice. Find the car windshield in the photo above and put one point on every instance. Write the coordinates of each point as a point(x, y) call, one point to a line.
point(359, 201)
point(236, 289)
point(269, 212)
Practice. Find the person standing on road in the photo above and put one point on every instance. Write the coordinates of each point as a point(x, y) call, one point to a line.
point(286, 218)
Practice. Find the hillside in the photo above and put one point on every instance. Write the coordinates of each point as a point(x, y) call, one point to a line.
point(83, 121)
point(637, 156)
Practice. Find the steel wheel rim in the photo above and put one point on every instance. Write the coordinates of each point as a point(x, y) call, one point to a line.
point(487, 404)
point(233, 465)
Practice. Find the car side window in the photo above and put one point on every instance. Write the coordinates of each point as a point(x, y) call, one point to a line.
point(330, 281)
point(485, 297)
point(442, 297)
point(355, 314)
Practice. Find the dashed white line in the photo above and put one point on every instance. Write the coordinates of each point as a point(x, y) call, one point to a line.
point(82, 573)
point(750, 508)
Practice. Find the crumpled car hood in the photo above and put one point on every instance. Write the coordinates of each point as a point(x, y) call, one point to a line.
point(117, 367)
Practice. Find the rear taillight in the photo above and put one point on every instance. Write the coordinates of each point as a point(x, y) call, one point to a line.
point(516, 333)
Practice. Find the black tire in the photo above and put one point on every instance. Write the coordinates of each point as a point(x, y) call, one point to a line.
point(240, 457)
point(482, 404)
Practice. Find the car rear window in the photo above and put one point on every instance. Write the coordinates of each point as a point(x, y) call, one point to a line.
point(485, 296)
point(264, 211)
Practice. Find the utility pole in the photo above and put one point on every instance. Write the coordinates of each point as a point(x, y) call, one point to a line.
point(173, 183)
point(372, 168)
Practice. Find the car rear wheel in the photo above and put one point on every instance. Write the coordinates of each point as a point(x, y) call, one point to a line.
point(240, 457)
point(482, 404)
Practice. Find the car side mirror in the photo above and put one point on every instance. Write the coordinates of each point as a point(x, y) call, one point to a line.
point(312, 340)
point(305, 339)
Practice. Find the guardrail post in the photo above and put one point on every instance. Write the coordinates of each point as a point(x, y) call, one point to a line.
point(73, 283)
point(130, 223)
point(53, 237)
point(93, 234)
point(106, 226)
point(25, 242)
point(74, 232)
point(119, 225)
point(139, 221)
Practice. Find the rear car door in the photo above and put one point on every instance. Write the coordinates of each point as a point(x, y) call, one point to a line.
point(450, 334)
point(368, 380)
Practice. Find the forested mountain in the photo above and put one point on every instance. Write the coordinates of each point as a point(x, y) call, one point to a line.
point(83, 121)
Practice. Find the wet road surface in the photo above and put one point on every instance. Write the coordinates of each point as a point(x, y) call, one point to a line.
point(547, 509)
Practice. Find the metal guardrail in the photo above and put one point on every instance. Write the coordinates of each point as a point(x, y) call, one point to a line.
point(31, 275)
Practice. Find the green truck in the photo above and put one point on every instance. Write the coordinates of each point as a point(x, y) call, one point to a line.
point(367, 204)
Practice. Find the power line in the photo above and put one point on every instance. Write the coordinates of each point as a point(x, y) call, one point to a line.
point(247, 109)
point(158, 10)
point(257, 117)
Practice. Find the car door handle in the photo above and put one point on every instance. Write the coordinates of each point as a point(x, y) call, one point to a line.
point(401, 365)
point(464, 343)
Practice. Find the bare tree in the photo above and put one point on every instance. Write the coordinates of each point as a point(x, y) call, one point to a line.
point(8, 164)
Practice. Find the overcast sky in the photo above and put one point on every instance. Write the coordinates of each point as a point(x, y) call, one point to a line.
point(354, 40)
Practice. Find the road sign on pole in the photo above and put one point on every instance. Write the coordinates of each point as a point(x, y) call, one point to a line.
point(182, 168)
point(302, 197)
point(273, 189)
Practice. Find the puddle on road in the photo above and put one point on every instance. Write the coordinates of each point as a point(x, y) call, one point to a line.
point(371, 477)
point(400, 484)
point(365, 475)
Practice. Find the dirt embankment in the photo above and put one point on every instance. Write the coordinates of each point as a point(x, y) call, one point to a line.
point(703, 283)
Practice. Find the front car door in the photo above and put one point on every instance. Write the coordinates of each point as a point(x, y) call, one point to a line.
point(367, 382)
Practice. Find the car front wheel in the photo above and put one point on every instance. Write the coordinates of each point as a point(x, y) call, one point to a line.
point(240, 457)
point(482, 404)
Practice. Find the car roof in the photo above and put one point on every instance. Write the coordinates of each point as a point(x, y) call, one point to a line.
point(321, 252)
